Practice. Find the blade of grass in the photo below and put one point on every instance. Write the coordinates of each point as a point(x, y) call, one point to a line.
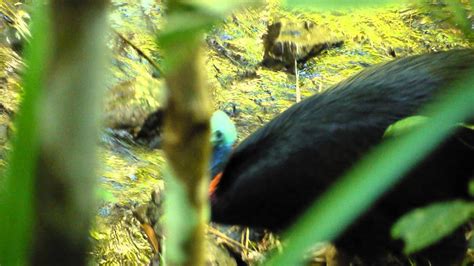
point(361, 186)
point(16, 203)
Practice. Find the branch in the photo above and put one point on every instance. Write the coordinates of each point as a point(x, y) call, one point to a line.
point(139, 51)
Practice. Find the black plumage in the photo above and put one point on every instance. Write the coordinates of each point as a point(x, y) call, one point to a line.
point(279, 170)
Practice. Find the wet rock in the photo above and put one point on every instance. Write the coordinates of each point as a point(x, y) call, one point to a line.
point(286, 42)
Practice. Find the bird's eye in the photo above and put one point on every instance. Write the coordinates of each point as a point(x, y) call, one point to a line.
point(219, 135)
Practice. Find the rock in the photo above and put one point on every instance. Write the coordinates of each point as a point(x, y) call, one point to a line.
point(286, 42)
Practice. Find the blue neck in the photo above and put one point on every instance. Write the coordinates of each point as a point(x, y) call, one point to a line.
point(220, 154)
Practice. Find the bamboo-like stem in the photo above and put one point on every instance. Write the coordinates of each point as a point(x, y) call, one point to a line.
point(69, 123)
point(186, 144)
point(186, 137)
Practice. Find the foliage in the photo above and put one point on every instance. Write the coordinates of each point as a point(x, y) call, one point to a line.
point(178, 228)
point(405, 125)
point(16, 203)
point(424, 226)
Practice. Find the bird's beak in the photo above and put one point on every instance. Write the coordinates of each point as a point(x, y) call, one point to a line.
point(214, 183)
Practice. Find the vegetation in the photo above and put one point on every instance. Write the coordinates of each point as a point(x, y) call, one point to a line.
point(51, 158)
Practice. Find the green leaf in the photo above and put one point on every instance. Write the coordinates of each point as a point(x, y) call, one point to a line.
point(16, 204)
point(180, 219)
point(405, 125)
point(184, 28)
point(425, 226)
point(183, 31)
point(374, 174)
point(409, 124)
point(471, 188)
point(219, 8)
point(338, 4)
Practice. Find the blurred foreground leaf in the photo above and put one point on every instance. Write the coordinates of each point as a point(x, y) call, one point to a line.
point(460, 16)
point(16, 209)
point(405, 125)
point(180, 219)
point(219, 8)
point(184, 25)
point(425, 226)
point(183, 31)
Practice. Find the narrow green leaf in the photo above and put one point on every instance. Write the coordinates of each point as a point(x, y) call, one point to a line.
point(425, 226)
point(180, 35)
point(373, 175)
point(471, 188)
point(405, 125)
point(183, 27)
point(180, 219)
point(219, 8)
point(16, 206)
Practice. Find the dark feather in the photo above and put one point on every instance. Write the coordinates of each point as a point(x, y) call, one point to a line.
point(279, 170)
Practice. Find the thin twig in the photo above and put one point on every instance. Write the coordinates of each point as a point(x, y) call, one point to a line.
point(298, 91)
point(139, 51)
point(231, 241)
